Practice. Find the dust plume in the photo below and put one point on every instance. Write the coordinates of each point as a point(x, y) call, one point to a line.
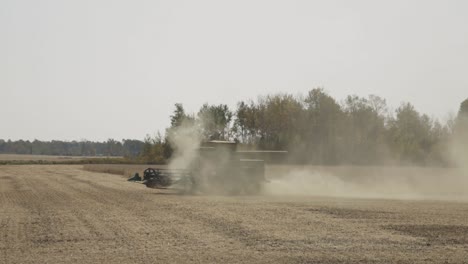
point(368, 182)
point(184, 140)
point(395, 182)
point(459, 153)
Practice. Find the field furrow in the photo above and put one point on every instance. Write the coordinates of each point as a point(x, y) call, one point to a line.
point(63, 214)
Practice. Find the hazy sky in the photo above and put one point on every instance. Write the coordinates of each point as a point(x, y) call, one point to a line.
point(98, 69)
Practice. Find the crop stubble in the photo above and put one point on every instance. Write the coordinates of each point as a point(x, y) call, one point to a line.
point(62, 214)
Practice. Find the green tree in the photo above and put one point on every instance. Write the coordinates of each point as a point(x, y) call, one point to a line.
point(132, 148)
point(279, 121)
point(245, 124)
point(215, 121)
point(462, 118)
point(365, 129)
point(460, 135)
point(324, 131)
point(153, 151)
point(412, 136)
point(179, 116)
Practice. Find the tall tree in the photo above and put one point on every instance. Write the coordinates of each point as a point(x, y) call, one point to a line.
point(324, 127)
point(460, 135)
point(365, 129)
point(245, 124)
point(279, 120)
point(462, 117)
point(179, 116)
point(215, 121)
point(411, 135)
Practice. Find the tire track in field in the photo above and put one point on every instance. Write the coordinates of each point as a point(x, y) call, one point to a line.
point(50, 211)
point(44, 225)
point(239, 225)
point(60, 214)
point(141, 206)
point(120, 205)
point(207, 225)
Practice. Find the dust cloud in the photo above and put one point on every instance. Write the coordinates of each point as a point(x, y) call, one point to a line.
point(185, 140)
point(368, 182)
point(392, 182)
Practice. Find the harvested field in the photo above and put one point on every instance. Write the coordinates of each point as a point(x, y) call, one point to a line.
point(126, 170)
point(11, 157)
point(20, 159)
point(63, 214)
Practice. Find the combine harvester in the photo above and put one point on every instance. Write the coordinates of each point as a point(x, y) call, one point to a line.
point(217, 168)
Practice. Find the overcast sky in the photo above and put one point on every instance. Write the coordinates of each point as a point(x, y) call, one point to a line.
point(97, 69)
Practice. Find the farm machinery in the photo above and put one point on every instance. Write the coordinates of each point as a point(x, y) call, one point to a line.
point(217, 167)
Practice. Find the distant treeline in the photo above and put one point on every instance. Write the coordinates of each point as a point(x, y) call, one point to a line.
point(127, 147)
point(314, 128)
point(317, 129)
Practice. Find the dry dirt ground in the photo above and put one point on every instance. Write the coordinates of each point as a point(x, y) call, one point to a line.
point(26, 157)
point(62, 214)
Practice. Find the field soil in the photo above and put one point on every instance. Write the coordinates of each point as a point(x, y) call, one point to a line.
point(63, 214)
point(26, 157)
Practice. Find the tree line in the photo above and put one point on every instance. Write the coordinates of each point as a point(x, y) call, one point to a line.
point(314, 128)
point(317, 129)
point(127, 147)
